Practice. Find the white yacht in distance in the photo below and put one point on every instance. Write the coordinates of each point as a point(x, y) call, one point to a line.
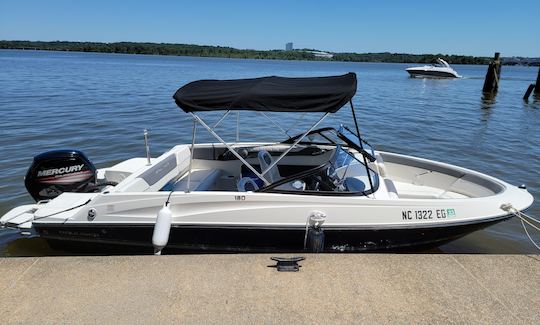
point(324, 190)
point(440, 70)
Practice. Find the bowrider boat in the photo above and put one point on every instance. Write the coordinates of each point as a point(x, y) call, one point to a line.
point(440, 70)
point(325, 190)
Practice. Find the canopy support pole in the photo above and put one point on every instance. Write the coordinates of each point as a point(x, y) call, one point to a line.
point(277, 125)
point(362, 147)
point(238, 126)
point(286, 132)
point(294, 124)
point(191, 156)
point(220, 120)
point(231, 149)
point(294, 144)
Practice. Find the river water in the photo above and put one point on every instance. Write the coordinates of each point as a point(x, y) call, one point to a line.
point(100, 103)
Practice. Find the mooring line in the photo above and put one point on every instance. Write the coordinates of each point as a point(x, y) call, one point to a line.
point(530, 238)
point(508, 207)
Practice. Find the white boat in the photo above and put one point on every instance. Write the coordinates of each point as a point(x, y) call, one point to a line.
point(440, 70)
point(323, 190)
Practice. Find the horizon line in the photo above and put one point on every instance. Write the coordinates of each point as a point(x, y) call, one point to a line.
point(253, 49)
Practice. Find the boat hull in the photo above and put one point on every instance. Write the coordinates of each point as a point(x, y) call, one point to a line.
point(431, 74)
point(195, 238)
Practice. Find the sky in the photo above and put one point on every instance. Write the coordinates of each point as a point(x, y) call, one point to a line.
point(468, 27)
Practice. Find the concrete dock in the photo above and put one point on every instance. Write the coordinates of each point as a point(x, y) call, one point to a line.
point(236, 289)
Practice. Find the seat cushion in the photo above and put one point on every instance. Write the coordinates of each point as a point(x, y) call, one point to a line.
point(265, 160)
point(354, 184)
point(247, 184)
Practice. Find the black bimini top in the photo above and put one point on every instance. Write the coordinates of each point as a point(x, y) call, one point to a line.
point(272, 94)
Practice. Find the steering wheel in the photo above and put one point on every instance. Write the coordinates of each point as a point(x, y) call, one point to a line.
point(323, 181)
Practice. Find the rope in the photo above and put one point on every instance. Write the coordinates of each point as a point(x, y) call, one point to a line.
point(66, 210)
point(508, 207)
point(526, 232)
point(306, 232)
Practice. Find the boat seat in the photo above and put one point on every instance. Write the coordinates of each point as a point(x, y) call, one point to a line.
point(354, 184)
point(153, 177)
point(246, 184)
point(201, 180)
point(122, 170)
point(265, 160)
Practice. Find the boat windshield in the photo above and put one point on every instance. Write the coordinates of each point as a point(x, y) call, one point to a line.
point(359, 144)
point(342, 136)
point(345, 172)
point(443, 63)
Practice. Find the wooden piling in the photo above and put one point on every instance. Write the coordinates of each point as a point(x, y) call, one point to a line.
point(537, 87)
point(491, 83)
point(528, 92)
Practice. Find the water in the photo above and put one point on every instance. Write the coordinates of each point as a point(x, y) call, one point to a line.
point(100, 103)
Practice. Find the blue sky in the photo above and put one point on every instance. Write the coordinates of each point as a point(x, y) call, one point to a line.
point(451, 27)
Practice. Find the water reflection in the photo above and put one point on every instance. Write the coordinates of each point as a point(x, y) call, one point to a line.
point(488, 100)
point(535, 103)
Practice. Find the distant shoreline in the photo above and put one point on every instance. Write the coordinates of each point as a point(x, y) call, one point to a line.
point(229, 52)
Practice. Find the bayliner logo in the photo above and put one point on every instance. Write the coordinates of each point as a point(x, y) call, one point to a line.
point(59, 171)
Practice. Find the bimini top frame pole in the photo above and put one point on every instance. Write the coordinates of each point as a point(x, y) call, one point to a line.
point(231, 149)
point(191, 156)
point(294, 144)
point(248, 165)
point(275, 124)
point(361, 146)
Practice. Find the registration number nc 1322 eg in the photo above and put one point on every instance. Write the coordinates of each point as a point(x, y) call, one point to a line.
point(427, 214)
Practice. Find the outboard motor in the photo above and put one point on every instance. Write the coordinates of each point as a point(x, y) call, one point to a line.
point(58, 171)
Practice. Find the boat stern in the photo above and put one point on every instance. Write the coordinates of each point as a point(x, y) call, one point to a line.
point(57, 210)
point(20, 217)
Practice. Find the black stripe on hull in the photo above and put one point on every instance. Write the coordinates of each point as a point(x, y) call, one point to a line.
point(206, 239)
point(437, 74)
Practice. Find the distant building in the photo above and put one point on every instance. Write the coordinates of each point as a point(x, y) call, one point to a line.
point(288, 47)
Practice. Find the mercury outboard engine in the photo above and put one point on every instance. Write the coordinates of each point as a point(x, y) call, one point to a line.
point(58, 171)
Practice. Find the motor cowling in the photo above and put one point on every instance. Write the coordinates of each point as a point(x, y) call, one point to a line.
point(58, 171)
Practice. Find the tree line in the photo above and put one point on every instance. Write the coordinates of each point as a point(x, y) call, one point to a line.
point(229, 52)
point(409, 58)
